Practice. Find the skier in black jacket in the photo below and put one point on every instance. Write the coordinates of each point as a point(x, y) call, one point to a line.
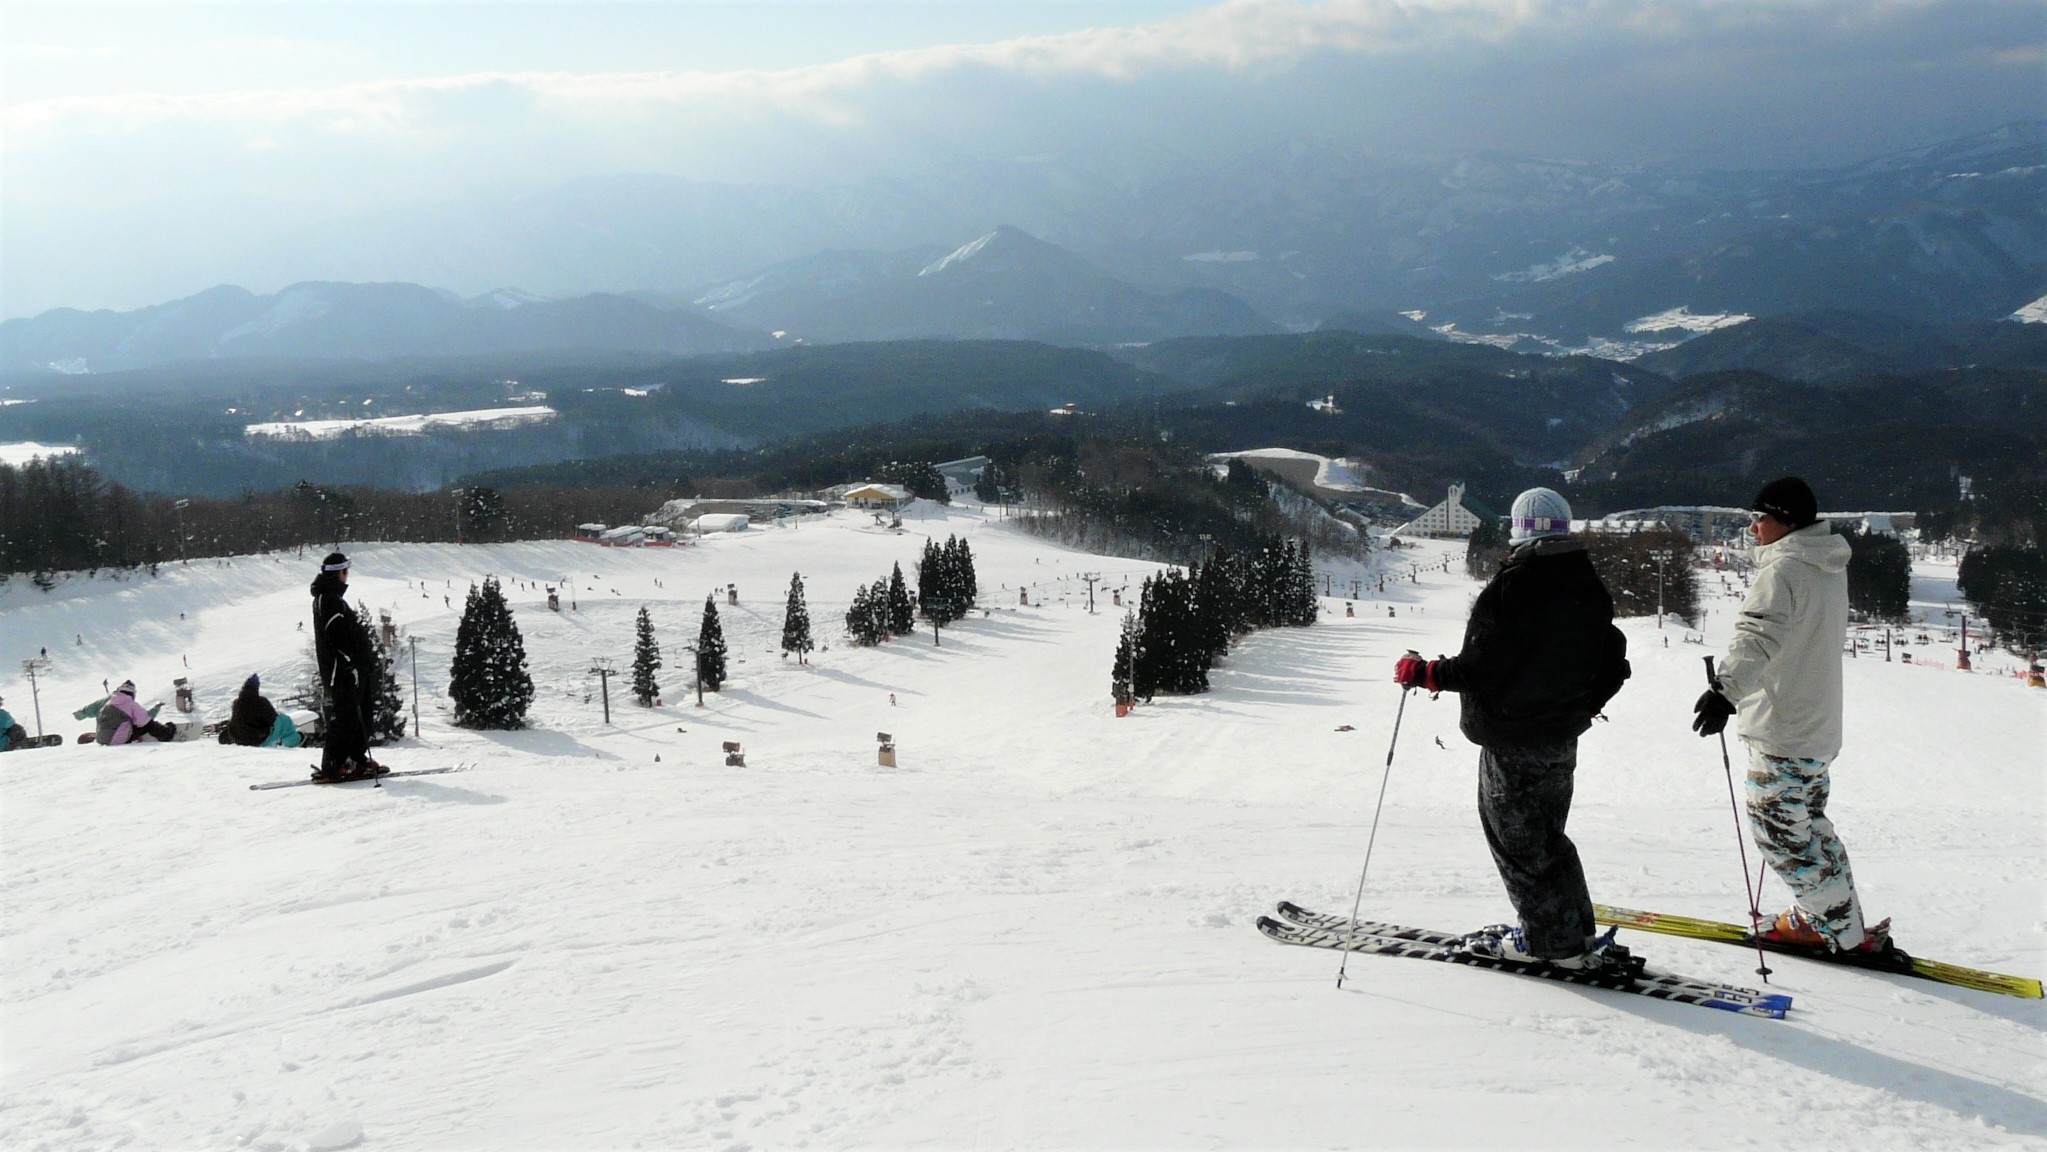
point(346, 667)
point(1541, 657)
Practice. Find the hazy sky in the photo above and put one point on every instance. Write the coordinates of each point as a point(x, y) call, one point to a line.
point(140, 142)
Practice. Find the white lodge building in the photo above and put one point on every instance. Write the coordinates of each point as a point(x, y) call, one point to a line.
point(1449, 519)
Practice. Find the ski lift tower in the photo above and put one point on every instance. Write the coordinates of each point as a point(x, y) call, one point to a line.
point(602, 669)
point(1662, 556)
point(33, 665)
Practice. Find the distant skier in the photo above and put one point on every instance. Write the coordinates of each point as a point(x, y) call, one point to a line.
point(254, 722)
point(1782, 676)
point(123, 721)
point(343, 651)
point(1541, 657)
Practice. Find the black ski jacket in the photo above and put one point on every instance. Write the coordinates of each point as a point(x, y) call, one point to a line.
point(250, 720)
point(339, 642)
point(1541, 656)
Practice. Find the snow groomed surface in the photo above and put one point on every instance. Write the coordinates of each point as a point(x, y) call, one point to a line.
point(1035, 932)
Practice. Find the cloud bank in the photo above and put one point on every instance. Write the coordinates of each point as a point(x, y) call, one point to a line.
point(1717, 83)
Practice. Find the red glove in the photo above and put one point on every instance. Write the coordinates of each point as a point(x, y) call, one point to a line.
point(1415, 672)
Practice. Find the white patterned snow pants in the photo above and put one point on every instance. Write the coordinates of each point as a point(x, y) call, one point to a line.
point(1787, 807)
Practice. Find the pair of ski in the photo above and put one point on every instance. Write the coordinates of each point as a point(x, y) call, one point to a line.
point(376, 781)
point(1320, 930)
point(1341, 933)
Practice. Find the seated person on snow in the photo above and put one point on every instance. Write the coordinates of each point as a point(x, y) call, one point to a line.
point(12, 735)
point(255, 723)
point(123, 721)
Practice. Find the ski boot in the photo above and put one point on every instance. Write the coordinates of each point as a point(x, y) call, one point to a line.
point(1602, 955)
point(349, 770)
point(1791, 929)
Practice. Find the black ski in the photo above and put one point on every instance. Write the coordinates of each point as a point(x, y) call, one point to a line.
point(1343, 924)
point(1656, 985)
point(381, 776)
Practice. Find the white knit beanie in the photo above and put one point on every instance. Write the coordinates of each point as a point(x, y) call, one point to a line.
point(1539, 512)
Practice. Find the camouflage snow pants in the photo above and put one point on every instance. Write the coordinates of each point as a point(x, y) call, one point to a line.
point(1524, 798)
point(1787, 808)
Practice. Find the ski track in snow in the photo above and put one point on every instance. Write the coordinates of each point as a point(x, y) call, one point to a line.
point(1036, 931)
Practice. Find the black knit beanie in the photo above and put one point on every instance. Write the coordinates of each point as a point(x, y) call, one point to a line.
point(335, 562)
point(1790, 500)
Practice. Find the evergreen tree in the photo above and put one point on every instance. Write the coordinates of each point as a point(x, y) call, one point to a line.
point(969, 584)
point(1879, 575)
point(386, 704)
point(1486, 548)
point(1215, 605)
point(934, 596)
point(946, 585)
point(488, 679)
point(988, 485)
point(796, 621)
point(899, 613)
point(1120, 686)
point(1144, 678)
point(711, 648)
point(863, 623)
point(646, 661)
point(1187, 657)
point(1303, 605)
point(920, 478)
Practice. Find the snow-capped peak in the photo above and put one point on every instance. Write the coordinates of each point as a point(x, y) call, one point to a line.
point(960, 255)
point(2034, 313)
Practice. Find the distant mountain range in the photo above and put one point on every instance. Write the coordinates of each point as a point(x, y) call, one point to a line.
point(1838, 345)
point(1005, 285)
point(352, 322)
point(1555, 250)
point(1887, 442)
point(1528, 254)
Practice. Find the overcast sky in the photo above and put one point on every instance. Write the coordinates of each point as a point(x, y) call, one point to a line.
point(161, 131)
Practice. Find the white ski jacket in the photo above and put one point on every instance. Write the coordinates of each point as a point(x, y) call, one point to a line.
point(1783, 670)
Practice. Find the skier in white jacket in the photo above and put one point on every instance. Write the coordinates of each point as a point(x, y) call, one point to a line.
point(1782, 675)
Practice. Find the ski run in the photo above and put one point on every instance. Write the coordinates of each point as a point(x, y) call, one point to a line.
point(1037, 930)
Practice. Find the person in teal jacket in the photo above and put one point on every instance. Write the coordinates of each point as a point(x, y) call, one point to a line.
point(12, 735)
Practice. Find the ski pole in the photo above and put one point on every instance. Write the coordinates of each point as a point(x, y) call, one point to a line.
point(1755, 911)
point(1359, 901)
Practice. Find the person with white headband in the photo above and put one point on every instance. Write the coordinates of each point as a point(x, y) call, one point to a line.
point(1541, 657)
point(342, 648)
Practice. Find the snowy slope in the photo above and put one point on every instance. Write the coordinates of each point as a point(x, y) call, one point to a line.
point(1035, 932)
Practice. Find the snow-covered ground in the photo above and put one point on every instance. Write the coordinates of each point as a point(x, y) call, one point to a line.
point(1340, 474)
point(1684, 319)
point(1036, 931)
point(19, 452)
point(404, 425)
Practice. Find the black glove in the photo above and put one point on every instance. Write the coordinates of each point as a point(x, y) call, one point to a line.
point(1712, 712)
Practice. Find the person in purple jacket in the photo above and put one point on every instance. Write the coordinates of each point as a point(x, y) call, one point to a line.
point(123, 721)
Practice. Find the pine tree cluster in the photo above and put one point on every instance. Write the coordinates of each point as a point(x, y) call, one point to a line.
point(387, 704)
point(796, 621)
point(488, 680)
point(880, 611)
point(920, 478)
point(646, 661)
point(946, 584)
point(1879, 575)
point(711, 648)
point(1185, 621)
